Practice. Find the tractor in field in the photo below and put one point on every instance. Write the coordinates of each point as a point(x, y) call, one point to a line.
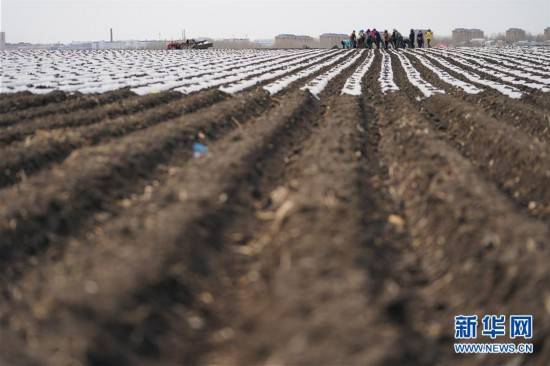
point(189, 44)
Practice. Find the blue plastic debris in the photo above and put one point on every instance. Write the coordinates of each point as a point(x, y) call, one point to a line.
point(199, 150)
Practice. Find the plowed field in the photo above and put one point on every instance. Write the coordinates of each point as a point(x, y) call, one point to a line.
point(351, 203)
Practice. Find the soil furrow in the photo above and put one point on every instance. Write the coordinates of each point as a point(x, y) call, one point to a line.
point(511, 75)
point(25, 100)
point(518, 163)
point(111, 126)
point(534, 97)
point(56, 201)
point(59, 105)
point(303, 261)
point(532, 69)
point(316, 229)
point(25, 158)
point(175, 230)
point(80, 118)
point(303, 299)
point(532, 120)
point(245, 146)
point(470, 240)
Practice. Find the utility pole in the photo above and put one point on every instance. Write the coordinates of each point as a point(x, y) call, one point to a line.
point(111, 35)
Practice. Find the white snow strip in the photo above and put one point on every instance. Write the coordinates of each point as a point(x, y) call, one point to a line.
point(199, 80)
point(523, 73)
point(507, 90)
point(281, 84)
point(285, 69)
point(317, 85)
point(527, 54)
point(415, 79)
point(85, 68)
point(353, 84)
point(493, 71)
point(90, 71)
point(231, 76)
point(446, 77)
point(387, 84)
point(510, 60)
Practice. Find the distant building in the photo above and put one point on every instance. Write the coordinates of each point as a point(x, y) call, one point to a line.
point(463, 36)
point(476, 34)
point(329, 40)
point(547, 34)
point(294, 41)
point(515, 35)
point(2, 40)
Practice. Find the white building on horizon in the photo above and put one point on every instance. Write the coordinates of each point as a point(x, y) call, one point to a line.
point(329, 40)
point(294, 41)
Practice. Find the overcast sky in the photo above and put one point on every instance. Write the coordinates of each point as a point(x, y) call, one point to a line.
point(77, 20)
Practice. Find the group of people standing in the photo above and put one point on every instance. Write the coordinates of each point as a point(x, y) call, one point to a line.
point(371, 38)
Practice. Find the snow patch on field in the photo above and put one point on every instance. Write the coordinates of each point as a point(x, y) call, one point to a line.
point(285, 68)
point(521, 73)
point(281, 84)
point(353, 84)
point(478, 66)
point(317, 85)
point(446, 77)
point(210, 69)
point(507, 90)
point(387, 84)
point(153, 71)
point(41, 71)
point(511, 61)
point(233, 75)
point(415, 79)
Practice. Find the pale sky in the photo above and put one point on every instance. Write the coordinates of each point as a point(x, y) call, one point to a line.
point(78, 20)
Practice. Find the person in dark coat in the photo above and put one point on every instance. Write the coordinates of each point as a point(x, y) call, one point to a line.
point(353, 39)
point(394, 41)
point(361, 39)
point(411, 39)
point(386, 37)
point(420, 39)
point(377, 38)
point(400, 42)
point(369, 39)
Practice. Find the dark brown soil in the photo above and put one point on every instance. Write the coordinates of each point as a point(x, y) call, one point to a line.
point(24, 158)
point(339, 231)
point(79, 117)
point(519, 163)
point(25, 108)
point(531, 97)
point(531, 119)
